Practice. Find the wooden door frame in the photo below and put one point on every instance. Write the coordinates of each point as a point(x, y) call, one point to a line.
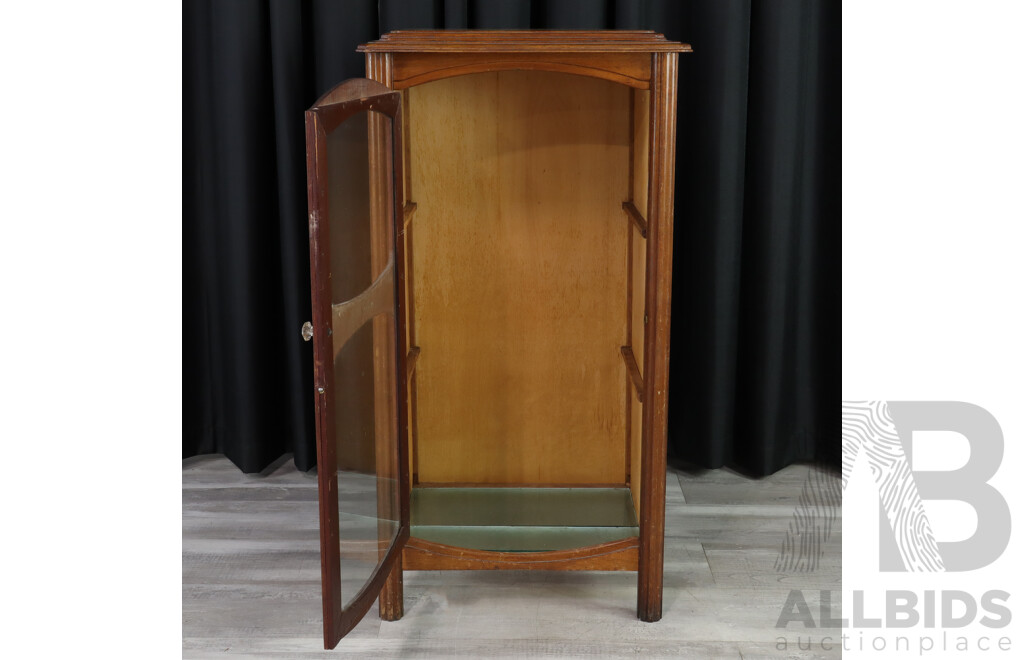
point(341, 103)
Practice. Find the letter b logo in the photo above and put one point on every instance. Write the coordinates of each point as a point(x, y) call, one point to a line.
point(884, 431)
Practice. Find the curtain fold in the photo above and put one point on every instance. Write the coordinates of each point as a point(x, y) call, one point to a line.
point(755, 360)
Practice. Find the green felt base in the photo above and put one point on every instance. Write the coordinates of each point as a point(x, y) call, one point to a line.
point(523, 519)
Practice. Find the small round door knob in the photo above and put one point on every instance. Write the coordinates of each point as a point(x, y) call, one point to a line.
point(307, 331)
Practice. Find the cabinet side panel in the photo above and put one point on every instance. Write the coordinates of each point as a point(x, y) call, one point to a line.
point(520, 260)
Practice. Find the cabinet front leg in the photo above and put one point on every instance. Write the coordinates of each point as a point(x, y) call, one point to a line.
point(649, 589)
point(658, 305)
point(391, 597)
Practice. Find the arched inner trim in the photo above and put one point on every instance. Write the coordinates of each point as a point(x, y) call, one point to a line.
point(429, 75)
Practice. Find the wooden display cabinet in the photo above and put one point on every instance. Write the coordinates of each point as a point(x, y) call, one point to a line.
point(490, 221)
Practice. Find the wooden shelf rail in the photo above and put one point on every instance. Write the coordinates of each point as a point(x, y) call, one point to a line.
point(637, 218)
point(634, 372)
point(408, 212)
point(410, 361)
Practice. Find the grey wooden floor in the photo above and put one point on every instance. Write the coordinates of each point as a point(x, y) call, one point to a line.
point(251, 579)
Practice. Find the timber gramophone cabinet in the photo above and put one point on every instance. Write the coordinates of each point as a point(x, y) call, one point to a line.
point(490, 220)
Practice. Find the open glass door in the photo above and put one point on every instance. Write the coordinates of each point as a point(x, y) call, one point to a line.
point(352, 138)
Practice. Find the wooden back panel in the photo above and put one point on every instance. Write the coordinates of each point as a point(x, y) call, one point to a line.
point(521, 263)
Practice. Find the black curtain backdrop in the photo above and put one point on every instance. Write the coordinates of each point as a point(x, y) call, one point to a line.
point(756, 321)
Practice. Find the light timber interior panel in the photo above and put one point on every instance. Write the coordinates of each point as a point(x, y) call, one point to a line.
point(636, 423)
point(636, 280)
point(638, 262)
point(520, 260)
point(641, 148)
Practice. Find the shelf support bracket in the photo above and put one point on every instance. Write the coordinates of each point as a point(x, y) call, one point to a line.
point(407, 213)
point(410, 362)
point(634, 372)
point(637, 218)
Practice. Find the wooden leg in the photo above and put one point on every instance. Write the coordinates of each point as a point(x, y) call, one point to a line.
point(651, 565)
point(391, 598)
point(658, 305)
point(649, 589)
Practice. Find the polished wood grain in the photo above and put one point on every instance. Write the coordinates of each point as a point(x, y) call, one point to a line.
point(386, 194)
point(614, 556)
point(520, 257)
point(658, 305)
point(350, 97)
point(421, 56)
point(391, 604)
point(323, 367)
point(631, 69)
